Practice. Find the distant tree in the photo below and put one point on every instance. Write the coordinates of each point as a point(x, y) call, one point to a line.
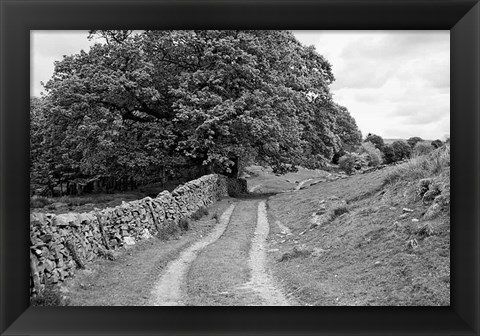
point(413, 141)
point(376, 140)
point(437, 143)
point(388, 154)
point(401, 149)
point(422, 148)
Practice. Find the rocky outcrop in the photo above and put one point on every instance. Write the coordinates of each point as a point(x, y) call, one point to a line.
point(62, 243)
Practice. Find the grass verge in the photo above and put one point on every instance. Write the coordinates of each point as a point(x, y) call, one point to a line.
point(372, 252)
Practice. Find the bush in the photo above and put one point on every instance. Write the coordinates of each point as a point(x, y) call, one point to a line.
point(401, 149)
point(167, 230)
point(376, 140)
point(388, 154)
point(184, 224)
point(437, 143)
point(413, 141)
point(374, 155)
point(347, 163)
point(421, 166)
point(352, 161)
point(50, 296)
point(422, 148)
point(202, 211)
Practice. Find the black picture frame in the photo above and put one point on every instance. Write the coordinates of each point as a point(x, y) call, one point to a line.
point(18, 17)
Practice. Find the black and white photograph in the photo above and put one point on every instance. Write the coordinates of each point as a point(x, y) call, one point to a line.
point(240, 168)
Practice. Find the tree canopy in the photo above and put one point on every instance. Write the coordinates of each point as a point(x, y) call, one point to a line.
point(376, 140)
point(209, 98)
point(413, 141)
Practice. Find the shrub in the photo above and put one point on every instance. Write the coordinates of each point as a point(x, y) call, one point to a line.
point(388, 154)
point(374, 155)
point(202, 211)
point(401, 149)
point(437, 143)
point(184, 224)
point(167, 230)
point(376, 140)
point(422, 148)
point(50, 296)
point(352, 161)
point(216, 217)
point(347, 163)
point(421, 166)
point(413, 141)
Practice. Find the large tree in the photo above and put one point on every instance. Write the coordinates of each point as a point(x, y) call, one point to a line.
point(208, 98)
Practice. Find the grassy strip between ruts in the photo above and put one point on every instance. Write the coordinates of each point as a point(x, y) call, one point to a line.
point(218, 273)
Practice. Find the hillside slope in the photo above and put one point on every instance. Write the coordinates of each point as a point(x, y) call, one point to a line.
point(381, 238)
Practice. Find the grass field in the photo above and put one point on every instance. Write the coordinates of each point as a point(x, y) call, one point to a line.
point(262, 180)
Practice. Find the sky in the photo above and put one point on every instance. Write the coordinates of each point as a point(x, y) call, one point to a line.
point(395, 84)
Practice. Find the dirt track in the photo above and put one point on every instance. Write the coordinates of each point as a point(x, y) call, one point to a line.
point(224, 263)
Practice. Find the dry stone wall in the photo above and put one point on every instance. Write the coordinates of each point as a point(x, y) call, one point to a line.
point(62, 243)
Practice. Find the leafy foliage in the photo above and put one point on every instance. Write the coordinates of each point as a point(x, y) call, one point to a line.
point(338, 155)
point(401, 150)
point(388, 154)
point(437, 143)
point(422, 148)
point(212, 99)
point(376, 140)
point(432, 164)
point(353, 161)
point(374, 156)
point(413, 141)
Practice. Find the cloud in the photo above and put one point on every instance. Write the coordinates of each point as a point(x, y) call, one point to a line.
point(362, 73)
point(48, 46)
point(394, 83)
point(366, 59)
point(393, 45)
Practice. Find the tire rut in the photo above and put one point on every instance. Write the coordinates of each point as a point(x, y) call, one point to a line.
point(167, 291)
point(260, 281)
